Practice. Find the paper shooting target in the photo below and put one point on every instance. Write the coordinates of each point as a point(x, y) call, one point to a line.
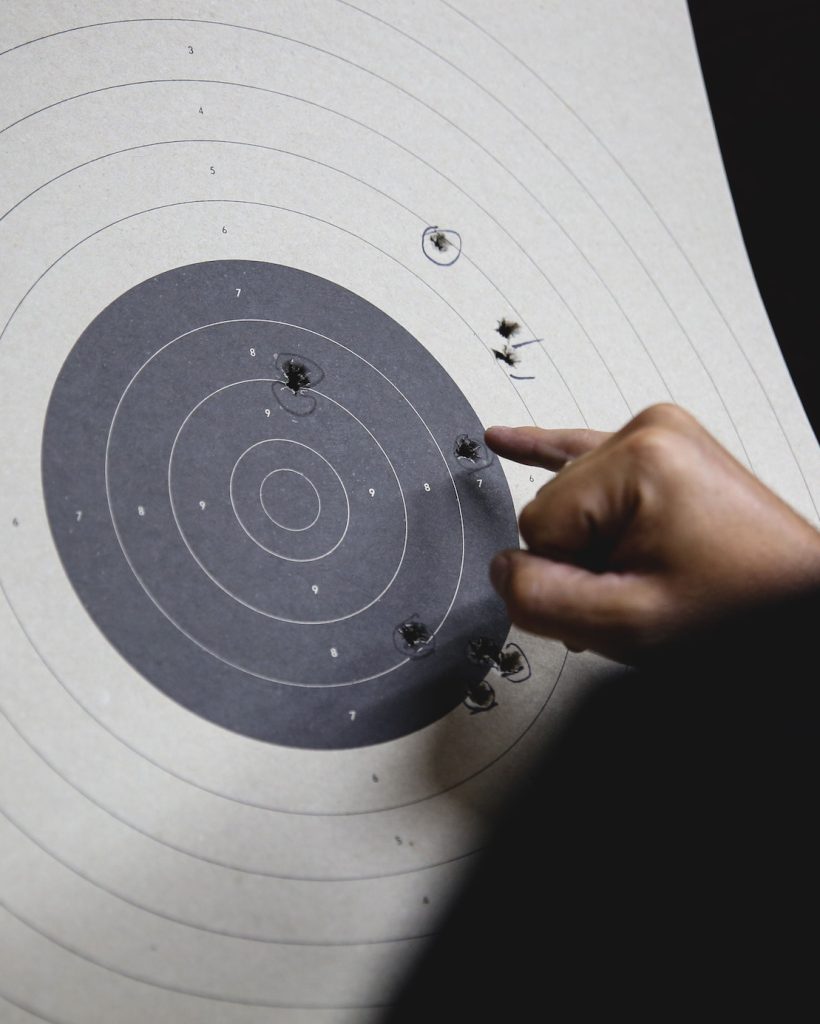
point(268, 271)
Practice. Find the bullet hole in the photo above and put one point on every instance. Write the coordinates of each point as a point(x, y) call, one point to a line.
point(441, 246)
point(507, 328)
point(510, 661)
point(293, 389)
point(413, 638)
point(483, 651)
point(472, 455)
point(507, 355)
point(513, 664)
point(425, 900)
point(375, 778)
point(480, 696)
point(297, 377)
point(467, 448)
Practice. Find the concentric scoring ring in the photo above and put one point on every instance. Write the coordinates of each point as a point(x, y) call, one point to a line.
point(285, 635)
point(288, 500)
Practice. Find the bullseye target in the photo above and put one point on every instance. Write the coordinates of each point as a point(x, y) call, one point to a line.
point(268, 273)
point(283, 503)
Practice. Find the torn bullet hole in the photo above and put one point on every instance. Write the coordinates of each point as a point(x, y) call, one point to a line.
point(297, 377)
point(467, 448)
point(440, 241)
point(506, 355)
point(413, 638)
point(483, 651)
point(507, 328)
point(480, 696)
point(472, 455)
point(510, 661)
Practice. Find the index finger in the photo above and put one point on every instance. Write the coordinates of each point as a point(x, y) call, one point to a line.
point(534, 446)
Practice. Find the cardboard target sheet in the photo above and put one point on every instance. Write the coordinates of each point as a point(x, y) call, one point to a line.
point(268, 270)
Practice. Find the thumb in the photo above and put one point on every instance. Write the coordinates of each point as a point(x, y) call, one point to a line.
point(608, 612)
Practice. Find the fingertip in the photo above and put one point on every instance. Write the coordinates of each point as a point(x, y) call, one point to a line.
point(497, 435)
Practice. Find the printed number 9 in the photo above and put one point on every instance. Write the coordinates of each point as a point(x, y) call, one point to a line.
point(267, 412)
point(314, 588)
point(202, 505)
point(371, 492)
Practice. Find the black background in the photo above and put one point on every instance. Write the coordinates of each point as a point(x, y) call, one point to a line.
point(760, 64)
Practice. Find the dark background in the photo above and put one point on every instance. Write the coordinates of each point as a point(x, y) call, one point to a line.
point(760, 64)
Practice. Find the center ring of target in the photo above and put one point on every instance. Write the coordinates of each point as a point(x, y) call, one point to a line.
point(284, 495)
point(290, 470)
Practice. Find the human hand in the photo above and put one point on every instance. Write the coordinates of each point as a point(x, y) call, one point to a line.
point(644, 536)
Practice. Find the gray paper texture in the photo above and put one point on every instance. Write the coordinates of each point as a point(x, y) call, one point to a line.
point(268, 271)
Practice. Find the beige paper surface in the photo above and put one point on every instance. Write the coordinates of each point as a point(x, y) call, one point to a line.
point(155, 865)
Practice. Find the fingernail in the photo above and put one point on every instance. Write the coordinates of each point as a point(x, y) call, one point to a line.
point(500, 572)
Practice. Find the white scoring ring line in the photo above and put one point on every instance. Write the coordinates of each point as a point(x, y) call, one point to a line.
point(161, 610)
point(271, 440)
point(251, 607)
point(290, 529)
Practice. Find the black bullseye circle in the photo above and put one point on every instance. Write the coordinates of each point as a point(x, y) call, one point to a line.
point(251, 477)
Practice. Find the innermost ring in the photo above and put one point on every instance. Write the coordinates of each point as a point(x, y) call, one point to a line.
point(290, 499)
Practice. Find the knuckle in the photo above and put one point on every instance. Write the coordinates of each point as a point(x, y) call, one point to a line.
point(653, 446)
point(530, 522)
point(664, 414)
